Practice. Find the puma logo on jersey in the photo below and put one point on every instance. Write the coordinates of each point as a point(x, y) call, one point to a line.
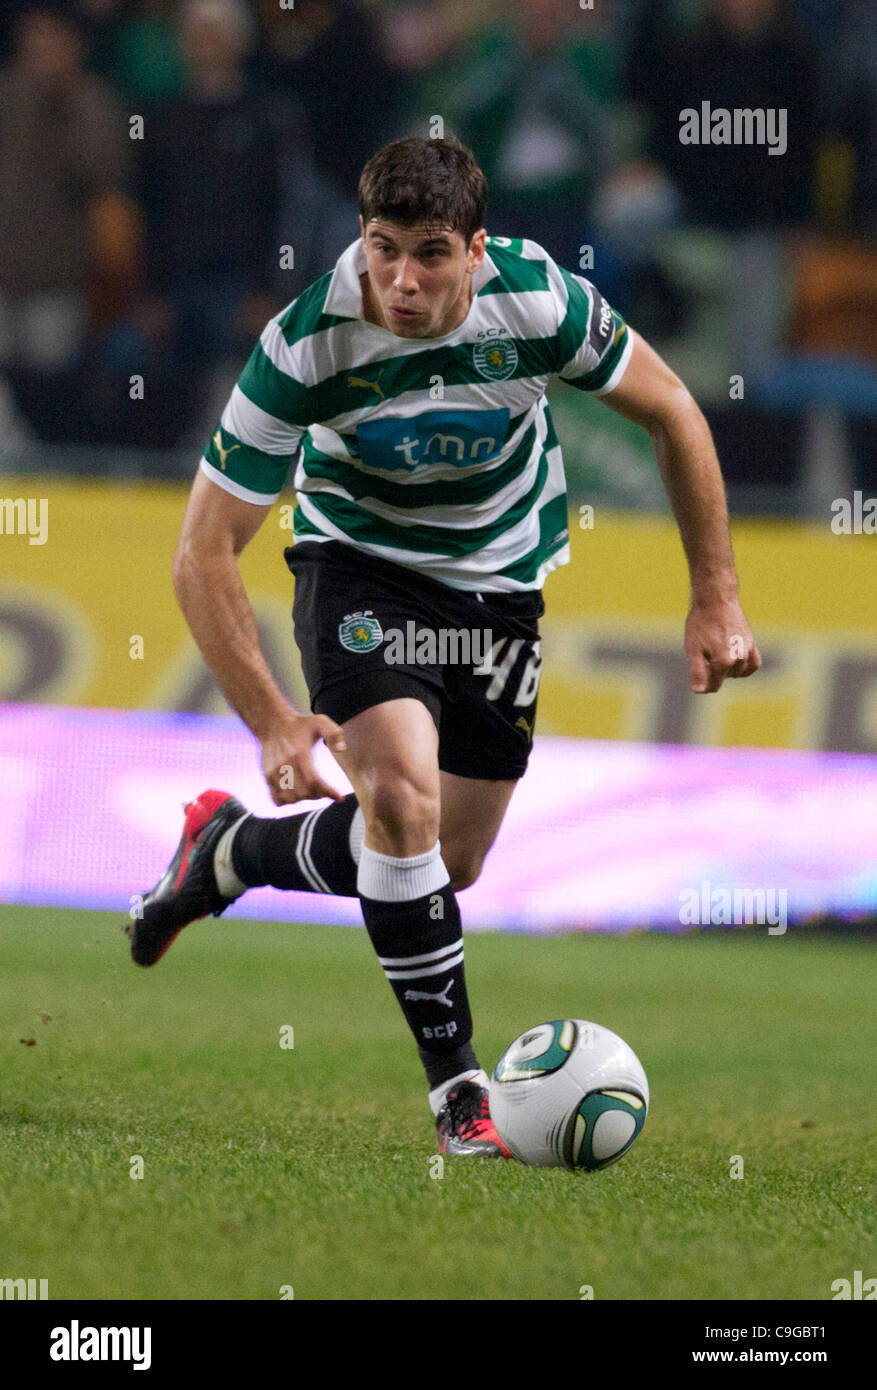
point(415, 994)
point(522, 724)
point(369, 385)
point(223, 453)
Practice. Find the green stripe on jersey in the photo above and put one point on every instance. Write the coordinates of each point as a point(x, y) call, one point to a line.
point(573, 330)
point(601, 374)
point(349, 390)
point(518, 275)
point(253, 469)
point(364, 526)
point(305, 316)
point(453, 492)
point(276, 392)
point(553, 534)
point(402, 425)
point(504, 243)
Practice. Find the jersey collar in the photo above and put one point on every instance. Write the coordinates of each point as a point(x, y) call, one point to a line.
point(345, 291)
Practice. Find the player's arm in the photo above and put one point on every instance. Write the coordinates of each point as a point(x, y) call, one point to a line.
point(718, 641)
point(208, 585)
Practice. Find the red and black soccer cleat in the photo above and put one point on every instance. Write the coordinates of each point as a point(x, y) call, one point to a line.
point(187, 889)
point(464, 1125)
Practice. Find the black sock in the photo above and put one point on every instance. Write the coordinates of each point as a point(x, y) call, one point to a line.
point(441, 1067)
point(419, 944)
point(309, 852)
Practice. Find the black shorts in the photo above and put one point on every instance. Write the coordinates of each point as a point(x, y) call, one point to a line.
point(370, 631)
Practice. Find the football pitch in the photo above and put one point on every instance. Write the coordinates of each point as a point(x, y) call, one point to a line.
point(268, 1169)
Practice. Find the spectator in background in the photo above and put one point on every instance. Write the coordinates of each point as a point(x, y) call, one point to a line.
point(747, 54)
point(424, 43)
point(227, 182)
point(536, 100)
point(850, 105)
point(64, 215)
point(210, 191)
point(419, 35)
point(328, 54)
point(135, 45)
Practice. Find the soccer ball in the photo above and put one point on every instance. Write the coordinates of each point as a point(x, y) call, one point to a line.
point(569, 1094)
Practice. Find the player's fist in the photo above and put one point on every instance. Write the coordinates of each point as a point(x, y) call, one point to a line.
point(287, 759)
point(719, 644)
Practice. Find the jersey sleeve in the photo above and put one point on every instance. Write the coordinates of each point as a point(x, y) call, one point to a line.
point(262, 426)
point(594, 343)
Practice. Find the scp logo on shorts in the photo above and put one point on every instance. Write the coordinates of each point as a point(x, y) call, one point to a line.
point(360, 632)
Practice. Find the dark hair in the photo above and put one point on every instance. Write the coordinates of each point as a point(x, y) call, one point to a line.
point(436, 182)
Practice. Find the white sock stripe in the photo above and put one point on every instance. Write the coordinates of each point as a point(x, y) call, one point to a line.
point(307, 869)
point(307, 836)
point(298, 847)
point(421, 974)
point(424, 959)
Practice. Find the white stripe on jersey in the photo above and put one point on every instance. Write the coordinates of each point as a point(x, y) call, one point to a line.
point(242, 417)
point(535, 317)
point(476, 514)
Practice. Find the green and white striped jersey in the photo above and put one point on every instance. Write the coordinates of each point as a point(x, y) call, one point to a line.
point(435, 453)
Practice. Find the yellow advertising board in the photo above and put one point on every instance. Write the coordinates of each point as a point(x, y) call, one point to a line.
point(88, 617)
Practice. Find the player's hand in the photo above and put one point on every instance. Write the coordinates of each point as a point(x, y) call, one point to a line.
point(718, 643)
point(287, 761)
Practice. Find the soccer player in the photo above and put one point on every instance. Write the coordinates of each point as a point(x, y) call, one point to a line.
point(408, 385)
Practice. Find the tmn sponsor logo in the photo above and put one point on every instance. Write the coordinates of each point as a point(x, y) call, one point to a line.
point(75, 1343)
point(741, 126)
point(450, 646)
point(25, 516)
point(856, 516)
point(855, 1288)
point(24, 1288)
point(735, 907)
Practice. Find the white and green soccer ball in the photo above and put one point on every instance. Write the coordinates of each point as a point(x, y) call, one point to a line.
point(569, 1094)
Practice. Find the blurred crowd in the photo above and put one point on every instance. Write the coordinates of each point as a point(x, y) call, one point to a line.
point(173, 171)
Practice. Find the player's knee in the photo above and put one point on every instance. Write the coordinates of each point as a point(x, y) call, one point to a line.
point(463, 864)
point(400, 814)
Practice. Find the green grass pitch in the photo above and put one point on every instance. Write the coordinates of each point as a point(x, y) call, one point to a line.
point(310, 1167)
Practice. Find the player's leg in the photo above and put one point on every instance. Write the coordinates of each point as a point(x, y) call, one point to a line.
point(473, 810)
point(318, 851)
point(410, 908)
point(391, 760)
point(484, 746)
point(313, 851)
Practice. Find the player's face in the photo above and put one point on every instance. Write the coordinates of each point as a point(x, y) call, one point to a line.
point(419, 278)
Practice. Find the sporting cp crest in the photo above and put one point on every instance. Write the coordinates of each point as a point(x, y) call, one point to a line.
point(360, 632)
point(496, 359)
